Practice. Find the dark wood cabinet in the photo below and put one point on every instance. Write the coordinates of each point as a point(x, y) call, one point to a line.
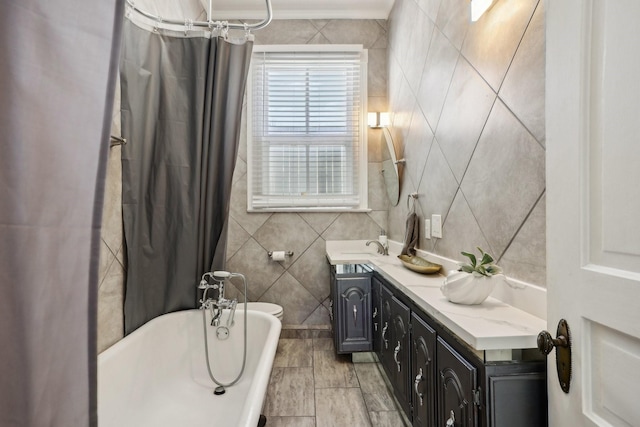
point(376, 314)
point(351, 308)
point(400, 340)
point(440, 381)
point(437, 379)
point(423, 372)
point(457, 391)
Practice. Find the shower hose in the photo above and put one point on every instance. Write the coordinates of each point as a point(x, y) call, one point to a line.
point(206, 340)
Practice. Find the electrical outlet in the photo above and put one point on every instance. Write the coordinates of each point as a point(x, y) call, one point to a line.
point(436, 226)
point(427, 229)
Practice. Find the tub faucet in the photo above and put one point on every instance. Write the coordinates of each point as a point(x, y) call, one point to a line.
point(218, 303)
point(382, 249)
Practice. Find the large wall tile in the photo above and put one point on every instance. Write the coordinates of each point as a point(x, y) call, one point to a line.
point(505, 177)
point(297, 303)
point(250, 221)
point(261, 272)
point(465, 112)
point(320, 221)
point(401, 104)
point(287, 31)
point(352, 226)
point(430, 7)
point(420, 30)
point(437, 75)
point(377, 196)
point(377, 73)
point(353, 31)
point(286, 232)
point(438, 186)
point(236, 237)
point(524, 259)
point(312, 270)
point(110, 303)
point(453, 20)
point(492, 41)
point(417, 146)
point(523, 88)
point(460, 232)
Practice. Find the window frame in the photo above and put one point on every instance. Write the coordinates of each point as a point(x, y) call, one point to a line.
point(362, 130)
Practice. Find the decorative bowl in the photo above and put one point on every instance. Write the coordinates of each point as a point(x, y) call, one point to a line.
point(465, 288)
point(419, 265)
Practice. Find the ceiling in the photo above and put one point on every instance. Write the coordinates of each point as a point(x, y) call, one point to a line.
point(301, 9)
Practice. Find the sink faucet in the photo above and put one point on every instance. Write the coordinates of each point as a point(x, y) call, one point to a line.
point(219, 303)
point(382, 249)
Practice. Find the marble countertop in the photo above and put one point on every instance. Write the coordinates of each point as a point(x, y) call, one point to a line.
point(492, 325)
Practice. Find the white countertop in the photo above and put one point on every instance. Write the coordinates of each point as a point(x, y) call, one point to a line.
point(492, 325)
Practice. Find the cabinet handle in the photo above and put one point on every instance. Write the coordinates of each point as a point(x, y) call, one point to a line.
point(375, 326)
point(384, 332)
point(355, 316)
point(452, 420)
point(419, 379)
point(395, 355)
point(375, 312)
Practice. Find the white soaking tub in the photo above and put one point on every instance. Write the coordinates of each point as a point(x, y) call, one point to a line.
point(157, 376)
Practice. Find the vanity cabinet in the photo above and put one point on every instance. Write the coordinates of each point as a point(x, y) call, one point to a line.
point(457, 390)
point(376, 314)
point(439, 381)
point(395, 354)
point(423, 372)
point(351, 308)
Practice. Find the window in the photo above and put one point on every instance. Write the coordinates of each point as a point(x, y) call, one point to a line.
point(306, 139)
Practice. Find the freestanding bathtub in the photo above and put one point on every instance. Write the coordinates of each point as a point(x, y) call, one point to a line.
point(157, 376)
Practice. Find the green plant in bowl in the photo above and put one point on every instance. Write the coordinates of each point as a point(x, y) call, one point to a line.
point(485, 267)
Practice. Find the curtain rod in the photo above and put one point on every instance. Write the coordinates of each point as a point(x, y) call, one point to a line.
point(208, 24)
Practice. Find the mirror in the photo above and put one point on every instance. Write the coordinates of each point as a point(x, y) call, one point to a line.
point(390, 172)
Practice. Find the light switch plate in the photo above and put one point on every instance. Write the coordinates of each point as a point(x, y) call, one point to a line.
point(436, 226)
point(427, 229)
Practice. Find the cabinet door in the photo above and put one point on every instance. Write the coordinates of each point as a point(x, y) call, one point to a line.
point(376, 315)
point(423, 370)
point(386, 349)
point(354, 314)
point(400, 341)
point(456, 384)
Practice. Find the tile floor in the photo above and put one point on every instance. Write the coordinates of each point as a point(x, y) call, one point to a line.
point(312, 386)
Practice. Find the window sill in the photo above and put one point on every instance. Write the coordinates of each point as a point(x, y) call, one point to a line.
point(310, 210)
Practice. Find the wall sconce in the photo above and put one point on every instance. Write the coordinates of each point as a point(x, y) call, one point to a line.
point(378, 120)
point(478, 7)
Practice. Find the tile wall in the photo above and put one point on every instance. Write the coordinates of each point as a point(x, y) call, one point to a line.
point(111, 273)
point(301, 284)
point(468, 110)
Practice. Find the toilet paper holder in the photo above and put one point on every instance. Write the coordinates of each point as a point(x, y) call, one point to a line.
point(287, 253)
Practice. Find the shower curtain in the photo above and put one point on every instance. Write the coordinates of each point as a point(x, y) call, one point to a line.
point(58, 62)
point(181, 106)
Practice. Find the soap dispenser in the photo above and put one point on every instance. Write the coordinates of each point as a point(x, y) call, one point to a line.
point(383, 238)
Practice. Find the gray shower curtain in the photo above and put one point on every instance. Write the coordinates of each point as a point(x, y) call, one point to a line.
point(181, 107)
point(58, 64)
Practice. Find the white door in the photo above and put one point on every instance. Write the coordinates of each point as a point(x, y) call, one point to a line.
point(593, 207)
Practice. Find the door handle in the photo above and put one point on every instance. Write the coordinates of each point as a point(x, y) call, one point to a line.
point(355, 316)
point(384, 332)
point(562, 344)
point(418, 380)
point(452, 420)
point(395, 355)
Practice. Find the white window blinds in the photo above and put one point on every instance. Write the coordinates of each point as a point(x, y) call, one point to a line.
point(307, 130)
